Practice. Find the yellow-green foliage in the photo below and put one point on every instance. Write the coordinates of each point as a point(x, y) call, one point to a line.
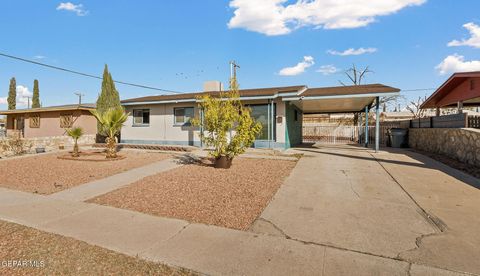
point(223, 115)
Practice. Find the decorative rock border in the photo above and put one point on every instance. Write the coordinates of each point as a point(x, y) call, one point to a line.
point(70, 157)
point(148, 147)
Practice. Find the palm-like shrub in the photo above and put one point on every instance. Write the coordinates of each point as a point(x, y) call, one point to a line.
point(75, 133)
point(111, 123)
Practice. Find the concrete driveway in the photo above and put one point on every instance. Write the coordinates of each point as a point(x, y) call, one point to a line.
point(398, 205)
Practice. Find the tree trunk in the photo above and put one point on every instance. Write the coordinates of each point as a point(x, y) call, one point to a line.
point(111, 147)
point(75, 150)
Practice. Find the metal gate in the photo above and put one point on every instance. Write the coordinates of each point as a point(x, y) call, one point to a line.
point(342, 134)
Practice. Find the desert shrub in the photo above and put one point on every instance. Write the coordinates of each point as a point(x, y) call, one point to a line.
point(15, 144)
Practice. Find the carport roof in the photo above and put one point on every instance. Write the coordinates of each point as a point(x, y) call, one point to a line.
point(340, 99)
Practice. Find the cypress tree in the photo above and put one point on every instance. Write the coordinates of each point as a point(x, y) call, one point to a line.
point(109, 97)
point(36, 95)
point(12, 94)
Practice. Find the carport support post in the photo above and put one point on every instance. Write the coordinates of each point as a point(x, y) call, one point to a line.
point(366, 126)
point(377, 126)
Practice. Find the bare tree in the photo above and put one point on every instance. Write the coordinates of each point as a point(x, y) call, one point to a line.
point(414, 108)
point(355, 75)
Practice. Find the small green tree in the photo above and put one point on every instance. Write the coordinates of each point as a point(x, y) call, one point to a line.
point(75, 133)
point(111, 123)
point(224, 114)
point(109, 97)
point(36, 95)
point(12, 94)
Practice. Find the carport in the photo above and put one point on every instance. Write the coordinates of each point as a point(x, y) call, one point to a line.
point(345, 99)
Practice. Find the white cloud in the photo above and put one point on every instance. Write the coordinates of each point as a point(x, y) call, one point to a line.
point(69, 6)
point(328, 69)
point(39, 57)
point(456, 63)
point(23, 93)
point(473, 41)
point(277, 17)
point(308, 61)
point(353, 52)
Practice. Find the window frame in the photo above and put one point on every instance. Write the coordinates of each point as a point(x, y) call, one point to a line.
point(143, 124)
point(184, 123)
point(272, 119)
point(62, 121)
point(31, 120)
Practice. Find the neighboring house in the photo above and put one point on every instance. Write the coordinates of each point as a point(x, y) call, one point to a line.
point(461, 89)
point(50, 121)
point(164, 119)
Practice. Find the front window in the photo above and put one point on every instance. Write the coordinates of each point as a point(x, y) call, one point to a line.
point(141, 117)
point(260, 114)
point(183, 115)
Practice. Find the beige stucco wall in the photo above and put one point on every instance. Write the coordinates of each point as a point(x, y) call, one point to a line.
point(50, 123)
point(462, 144)
point(163, 130)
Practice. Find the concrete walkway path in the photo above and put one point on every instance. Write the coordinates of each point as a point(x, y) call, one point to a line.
point(108, 184)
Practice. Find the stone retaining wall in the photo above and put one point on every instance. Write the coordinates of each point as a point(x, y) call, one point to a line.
point(462, 144)
point(49, 143)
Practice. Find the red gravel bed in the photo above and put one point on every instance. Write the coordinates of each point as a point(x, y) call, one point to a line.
point(46, 174)
point(231, 198)
point(42, 253)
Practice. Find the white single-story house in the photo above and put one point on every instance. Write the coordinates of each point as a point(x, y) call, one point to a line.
point(164, 119)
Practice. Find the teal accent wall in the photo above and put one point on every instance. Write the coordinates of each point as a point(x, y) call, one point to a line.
point(293, 130)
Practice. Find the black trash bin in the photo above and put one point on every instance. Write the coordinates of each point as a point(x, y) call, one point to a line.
point(399, 137)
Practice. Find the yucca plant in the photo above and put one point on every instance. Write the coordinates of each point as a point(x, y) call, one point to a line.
point(111, 123)
point(75, 133)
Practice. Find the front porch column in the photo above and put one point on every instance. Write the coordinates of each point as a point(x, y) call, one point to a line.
point(377, 126)
point(366, 126)
point(460, 107)
point(268, 124)
point(360, 122)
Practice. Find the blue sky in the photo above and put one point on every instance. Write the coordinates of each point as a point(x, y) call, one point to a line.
point(178, 45)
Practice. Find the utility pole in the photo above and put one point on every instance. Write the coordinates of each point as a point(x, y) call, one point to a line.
point(80, 95)
point(233, 69)
point(28, 102)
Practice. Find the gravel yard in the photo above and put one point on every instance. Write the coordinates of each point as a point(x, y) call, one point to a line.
point(231, 198)
point(46, 174)
point(53, 254)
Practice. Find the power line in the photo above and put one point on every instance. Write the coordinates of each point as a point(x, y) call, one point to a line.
point(418, 89)
point(85, 74)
